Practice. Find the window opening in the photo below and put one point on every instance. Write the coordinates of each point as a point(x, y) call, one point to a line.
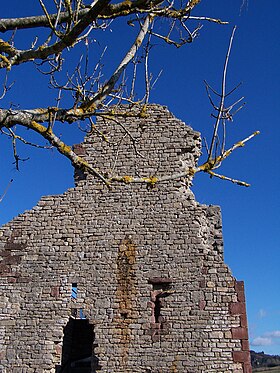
point(162, 288)
point(157, 308)
point(74, 290)
point(76, 313)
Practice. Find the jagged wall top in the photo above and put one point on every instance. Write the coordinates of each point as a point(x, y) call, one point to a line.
point(122, 247)
point(140, 144)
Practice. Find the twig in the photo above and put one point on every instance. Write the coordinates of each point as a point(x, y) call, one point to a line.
point(6, 190)
point(222, 177)
point(108, 87)
point(223, 94)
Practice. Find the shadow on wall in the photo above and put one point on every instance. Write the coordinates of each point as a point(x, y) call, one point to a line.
point(78, 348)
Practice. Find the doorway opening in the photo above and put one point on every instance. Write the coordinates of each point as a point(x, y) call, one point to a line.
point(78, 348)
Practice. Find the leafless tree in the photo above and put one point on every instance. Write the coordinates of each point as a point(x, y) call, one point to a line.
point(67, 24)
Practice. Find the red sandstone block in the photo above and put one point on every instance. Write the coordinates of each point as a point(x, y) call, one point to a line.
point(202, 304)
point(12, 279)
point(55, 291)
point(241, 357)
point(79, 149)
point(237, 308)
point(160, 280)
point(247, 368)
point(5, 269)
point(5, 253)
point(239, 287)
point(58, 350)
point(245, 345)
point(243, 321)
point(11, 259)
point(239, 333)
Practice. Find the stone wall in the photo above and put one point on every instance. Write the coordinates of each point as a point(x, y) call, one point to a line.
point(153, 291)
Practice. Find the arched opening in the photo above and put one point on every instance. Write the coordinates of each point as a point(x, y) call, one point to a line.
point(78, 348)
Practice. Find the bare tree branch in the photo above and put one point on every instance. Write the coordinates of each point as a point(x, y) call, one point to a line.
point(90, 93)
point(67, 41)
point(6, 190)
point(206, 167)
point(108, 87)
point(222, 101)
point(123, 8)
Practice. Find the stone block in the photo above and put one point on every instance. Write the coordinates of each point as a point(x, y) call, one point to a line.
point(238, 308)
point(239, 333)
point(241, 357)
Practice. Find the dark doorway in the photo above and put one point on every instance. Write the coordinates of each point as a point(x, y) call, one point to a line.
point(78, 348)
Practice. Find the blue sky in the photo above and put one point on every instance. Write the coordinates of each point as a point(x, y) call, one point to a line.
point(250, 215)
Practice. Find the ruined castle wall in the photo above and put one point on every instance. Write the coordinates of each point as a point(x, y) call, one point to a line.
point(147, 262)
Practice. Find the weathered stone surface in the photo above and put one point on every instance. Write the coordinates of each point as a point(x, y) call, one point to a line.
point(132, 277)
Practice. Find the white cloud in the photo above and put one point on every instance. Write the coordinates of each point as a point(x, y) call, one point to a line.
point(261, 341)
point(267, 339)
point(273, 334)
point(262, 313)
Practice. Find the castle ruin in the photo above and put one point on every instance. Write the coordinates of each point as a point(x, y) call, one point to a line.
point(127, 279)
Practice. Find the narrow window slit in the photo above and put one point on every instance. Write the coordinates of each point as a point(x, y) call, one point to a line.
point(74, 290)
point(157, 308)
point(162, 288)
